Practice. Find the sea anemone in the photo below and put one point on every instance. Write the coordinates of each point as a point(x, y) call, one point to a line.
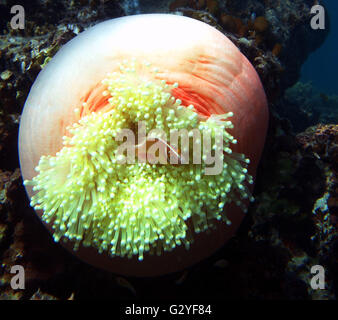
point(143, 215)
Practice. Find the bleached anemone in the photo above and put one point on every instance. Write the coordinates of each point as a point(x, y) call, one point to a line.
point(168, 73)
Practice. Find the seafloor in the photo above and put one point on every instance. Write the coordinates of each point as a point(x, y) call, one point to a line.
point(291, 226)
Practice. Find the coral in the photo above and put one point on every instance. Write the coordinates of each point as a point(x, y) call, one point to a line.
point(212, 6)
point(228, 22)
point(177, 4)
point(233, 24)
point(277, 49)
point(260, 24)
point(200, 4)
point(297, 200)
point(309, 106)
point(322, 141)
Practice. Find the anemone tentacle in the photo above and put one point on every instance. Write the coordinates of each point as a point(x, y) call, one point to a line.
point(134, 208)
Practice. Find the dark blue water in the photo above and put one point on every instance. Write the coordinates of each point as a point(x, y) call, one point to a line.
point(322, 65)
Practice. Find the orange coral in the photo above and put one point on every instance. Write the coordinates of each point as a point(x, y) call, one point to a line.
point(233, 24)
point(228, 22)
point(277, 49)
point(261, 24)
point(200, 4)
point(212, 6)
point(178, 3)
